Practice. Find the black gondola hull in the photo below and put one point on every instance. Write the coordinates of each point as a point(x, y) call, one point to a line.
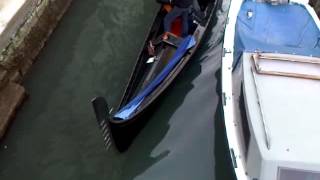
point(124, 131)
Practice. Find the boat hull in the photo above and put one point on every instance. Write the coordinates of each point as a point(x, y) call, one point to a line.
point(123, 133)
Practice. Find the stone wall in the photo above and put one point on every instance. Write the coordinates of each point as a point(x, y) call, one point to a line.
point(21, 42)
point(316, 5)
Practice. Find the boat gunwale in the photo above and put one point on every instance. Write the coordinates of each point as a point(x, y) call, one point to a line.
point(138, 61)
point(226, 91)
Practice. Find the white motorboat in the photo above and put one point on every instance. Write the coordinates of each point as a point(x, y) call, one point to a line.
point(271, 89)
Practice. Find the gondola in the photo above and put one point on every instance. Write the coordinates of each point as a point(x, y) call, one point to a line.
point(158, 63)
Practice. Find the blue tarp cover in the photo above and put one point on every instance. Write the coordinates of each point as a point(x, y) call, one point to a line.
point(126, 112)
point(287, 29)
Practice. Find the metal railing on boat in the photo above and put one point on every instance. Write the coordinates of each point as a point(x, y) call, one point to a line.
point(258, 57)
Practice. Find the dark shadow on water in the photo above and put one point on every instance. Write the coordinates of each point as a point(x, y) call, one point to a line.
point(223, 168)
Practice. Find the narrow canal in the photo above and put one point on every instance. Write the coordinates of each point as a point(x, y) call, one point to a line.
point(92, 52)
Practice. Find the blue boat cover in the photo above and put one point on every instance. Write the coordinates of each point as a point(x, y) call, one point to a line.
point(287, 29)
point(126, 112)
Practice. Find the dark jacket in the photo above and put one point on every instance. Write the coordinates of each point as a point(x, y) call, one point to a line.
point(183, 3)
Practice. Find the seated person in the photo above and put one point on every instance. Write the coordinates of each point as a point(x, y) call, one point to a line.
point(180, 8)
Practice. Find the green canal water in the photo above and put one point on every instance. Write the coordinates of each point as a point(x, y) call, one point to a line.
point(92, 52)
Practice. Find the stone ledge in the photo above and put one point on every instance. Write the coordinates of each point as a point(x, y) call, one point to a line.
point(11, 97)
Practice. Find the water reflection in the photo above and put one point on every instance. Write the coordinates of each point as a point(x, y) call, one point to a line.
point(55, 135)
